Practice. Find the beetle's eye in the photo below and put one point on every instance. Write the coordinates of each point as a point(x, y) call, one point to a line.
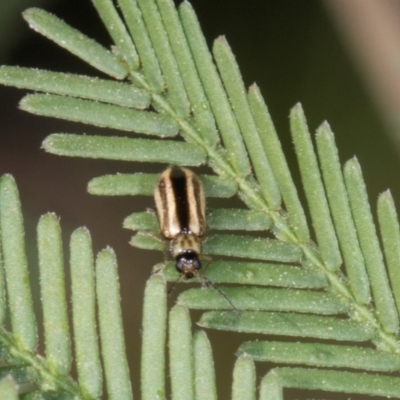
point(188, 263)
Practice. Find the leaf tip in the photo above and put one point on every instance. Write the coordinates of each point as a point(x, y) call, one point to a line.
point(221, 39)
point(82, 230)
point(297, 112)
point(385, 196)
point(298, 107)
point(28, 103)
point(49, 217)
point(7, 183)
point(186, 5)
point(254, 87)
point(49, 142)
point(221, 47)
point(108, 251)
point(125, 223)
point(26, 14)
point(92, 186)
point(325, 129)
point(7, 178)
point(325, 125)
point(352, 164)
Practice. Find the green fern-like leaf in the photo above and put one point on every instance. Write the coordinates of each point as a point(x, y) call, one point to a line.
point(193, 106)
point(49, 375)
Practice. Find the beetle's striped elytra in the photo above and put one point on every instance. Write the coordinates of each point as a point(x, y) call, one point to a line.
point(180, 203)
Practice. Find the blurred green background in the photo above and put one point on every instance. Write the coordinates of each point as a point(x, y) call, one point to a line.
point(290, 48)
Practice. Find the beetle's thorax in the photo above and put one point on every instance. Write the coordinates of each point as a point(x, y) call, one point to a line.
point(185, 242)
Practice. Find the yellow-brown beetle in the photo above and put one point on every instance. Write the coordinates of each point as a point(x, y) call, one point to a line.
point(180, 203)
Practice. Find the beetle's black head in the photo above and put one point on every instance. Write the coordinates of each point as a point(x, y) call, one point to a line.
point(188, 263)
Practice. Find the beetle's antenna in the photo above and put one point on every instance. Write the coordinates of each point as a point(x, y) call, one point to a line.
point(174, 285)
point(208, 283)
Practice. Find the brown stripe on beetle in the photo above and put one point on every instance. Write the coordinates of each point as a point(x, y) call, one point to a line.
point(166, 205)
point(180, 186)
point(198, 205)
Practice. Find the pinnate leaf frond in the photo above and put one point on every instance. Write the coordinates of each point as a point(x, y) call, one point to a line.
point(310, 282)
